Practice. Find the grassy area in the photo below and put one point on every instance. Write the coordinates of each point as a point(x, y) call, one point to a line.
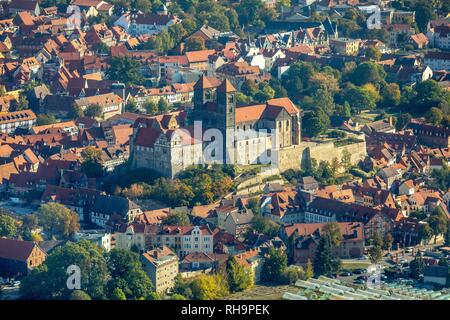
point(352, 265)
point(263, 292)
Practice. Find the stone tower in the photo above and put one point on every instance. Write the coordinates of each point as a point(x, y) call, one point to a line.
point(226, 121)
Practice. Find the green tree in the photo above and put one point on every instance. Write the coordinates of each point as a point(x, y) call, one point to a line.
point(177, 219)
point(425, 12)
point(75, 111)
point(325, 260)
point(274, 266)
point(253, 204)
point(22, 104)
point(417, 267)
point(79, 295)
point(309, 272)
point(118, 294)
point(367, 72)
point(376, 251)
point(91, 165)
point(265, 226)
point(315, 122)
point(434, 116)
point(425, 233)
point(57, 220)
point(93, 111)
point(391, 95)
point(360, 98)
point(8, 226)
point(195, 44)
point(254, 13)
point(49, 281)
point(182, 287)
point(294, 273)
point(332, 231)
point(125, 69)
point(127, 274)
point(131, 106)
point(346, 159)
point(240, 278)
point(163, 105)
point(373, 53)
point(151, 108)
point(388, 240)
point(249, 88)
point(45, 119)
point(143, 5)
point(438, 223)
point(402, 121)
point(30, 221)
point(209, 287)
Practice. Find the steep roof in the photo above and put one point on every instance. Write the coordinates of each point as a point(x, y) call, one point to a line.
point(15, 249)
point(226, 86)
point(205, 82)
point(113, 205)
point(349, 230)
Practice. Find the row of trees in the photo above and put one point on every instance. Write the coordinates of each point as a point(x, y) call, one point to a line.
point(117, 275)
point(234, 278)
point(56, 221)
point(194, 186)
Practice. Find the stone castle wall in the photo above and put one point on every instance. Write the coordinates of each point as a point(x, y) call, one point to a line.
point(298, 157)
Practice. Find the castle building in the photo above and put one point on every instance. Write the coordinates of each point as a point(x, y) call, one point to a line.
point(219, 131)
point(268, 127)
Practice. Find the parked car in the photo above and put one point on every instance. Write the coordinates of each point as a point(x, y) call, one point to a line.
point(345, 274)
point(359, 271)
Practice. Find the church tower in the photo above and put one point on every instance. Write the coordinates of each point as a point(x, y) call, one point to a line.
point(203, 92)
point(226, 110)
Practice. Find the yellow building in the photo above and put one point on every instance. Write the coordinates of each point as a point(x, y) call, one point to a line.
point(161, 265)
point(345, 46)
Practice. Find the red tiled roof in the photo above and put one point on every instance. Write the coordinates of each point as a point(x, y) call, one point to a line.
point(15, 249)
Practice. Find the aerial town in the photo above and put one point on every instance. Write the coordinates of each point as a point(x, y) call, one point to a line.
point(224, 150)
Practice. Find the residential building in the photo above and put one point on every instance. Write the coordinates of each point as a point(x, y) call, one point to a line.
point(375, 220)
point(345, 46)
point(282, 207)
point(161, 265)
point(18, 257)
point(110, 104)
point(10, 121)
point(234, 217)
point(437, 60)
point(137, 24)
point(106, 207)
point(305, 239)
point(431, 135)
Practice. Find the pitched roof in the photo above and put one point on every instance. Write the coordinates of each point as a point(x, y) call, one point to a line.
point(160, 256)
point(349, 230)
point(15, 249)
point(113, 205)
point(199, 56)
point(226, 86)
point(205, 82)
